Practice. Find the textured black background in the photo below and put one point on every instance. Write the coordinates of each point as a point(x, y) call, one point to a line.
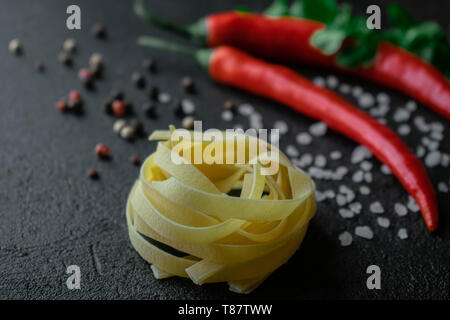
point(53, 216)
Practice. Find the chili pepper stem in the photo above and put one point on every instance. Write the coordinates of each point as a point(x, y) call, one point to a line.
point(196, 31)
point(202, 55)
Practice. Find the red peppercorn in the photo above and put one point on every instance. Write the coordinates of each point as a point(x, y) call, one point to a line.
point(102, 150)
point(135, 160)
point(85, 74)
point(75, 96)
point(93, 174)
point(119, 108)
point(61, 105)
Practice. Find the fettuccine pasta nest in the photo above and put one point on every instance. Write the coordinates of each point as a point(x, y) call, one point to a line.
point(217, 237)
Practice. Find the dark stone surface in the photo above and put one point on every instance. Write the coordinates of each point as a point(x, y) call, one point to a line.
point(53, 216)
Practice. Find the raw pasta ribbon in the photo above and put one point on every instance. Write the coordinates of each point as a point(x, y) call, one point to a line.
point(218, 222)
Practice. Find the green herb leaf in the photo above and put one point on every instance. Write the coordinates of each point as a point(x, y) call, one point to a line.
point(399, 17)
point(242, 9)
point(361, 54)
point(320, 10)
point(296, 9)
point(329, 41)
point(278, 8)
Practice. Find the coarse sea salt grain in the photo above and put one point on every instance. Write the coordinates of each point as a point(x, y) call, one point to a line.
point(368, 177)
point(332, 81)
point(306, 159)
point(385, 169)
point(320, 161)
point(420, 151)
point(411, 105)
point(402, 233)
point(401, 115)
point(341, 200)
point(442, 187)
point(335, 155)
point(358, 176)
point(357, 91)
point(188, 106)
point(330, 193)
point(304, 138)
point(436, 135)
point(164, 97)
point(400, 209)
point(366, 100)
point(345, 88)
point(356, 207)
point(420, 124)
point(376, 207)
point(245, 109)
point(292, 151)
point(433, 159)
point(319, 81)
point(412, 205)
point(345, 238)
point(281, 125)
point(359, 154)
point(366, 165)
point(437, 126)
point(383, 98)
point(445, 159)
point(227, 115)
point(320, 196)
point(364, 232)
point(383, 222)
point(346, 213)
point(364, 190)
point(404, 130)
point(318, 129)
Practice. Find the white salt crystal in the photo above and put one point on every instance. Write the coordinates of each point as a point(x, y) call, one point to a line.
point(366, 165)
point(306, 159)
point(420, 152)
point(402, 233)
point(364, 190)
point(359, 154)
point(319, 81)
point(345, 238)
point(356, 207)
point(357, 91)
point(341, 200)
point(188, 106)
point(304, 138)
point(368, 177)
point(332, 81)
point(411, 105)
point(404, 130)
point(376, 207)
point(227, 115)
point(320, 161)
point(385, 169)
point(364, 232)
point(245, 109)
point(346, 213)
point(318, 129)
point(445, 159)
point(330, 194)
point(412, 205)
point(433, 159)
point(401, 115)
point(282, 126)
point(358, 176)
point(345, 88)
point(400, 209)
point(442, 187)
point(383, 222)
point(335, 155)
point(292, 151)
point(383, 98)
point(366, 100)
point(320, 196)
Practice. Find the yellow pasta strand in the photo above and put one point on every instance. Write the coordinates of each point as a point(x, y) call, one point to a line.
point(220, 237)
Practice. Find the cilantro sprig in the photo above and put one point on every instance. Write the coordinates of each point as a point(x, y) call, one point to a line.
point(425, 39)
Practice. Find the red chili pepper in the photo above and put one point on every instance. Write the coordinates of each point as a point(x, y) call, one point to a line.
point(233, 67)
point(288, 39)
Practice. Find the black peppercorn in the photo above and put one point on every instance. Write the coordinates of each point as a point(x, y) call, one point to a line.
point(93, 174)
point(153, 92)
point(188, 84)
point(178, 108)
point(99, 30)
point(229, 105)
point(117, 94)
point(40, 67)
point(149, 65)
point(150, 109)
point(65, 58)
point(137, 126)
point(74, 106)
point(107, 107)
point(135, 160)
point(138, 79)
